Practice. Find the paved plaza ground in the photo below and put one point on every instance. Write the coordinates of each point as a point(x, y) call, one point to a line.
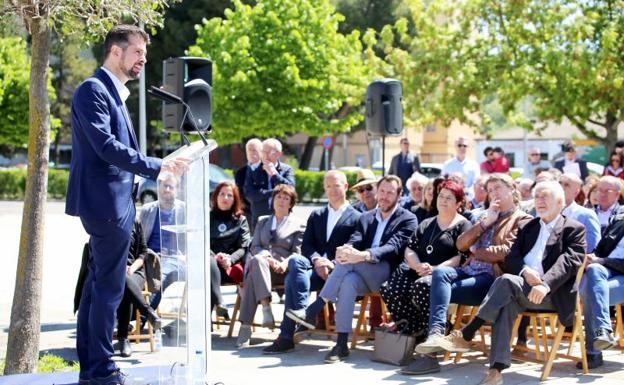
point(64, 238)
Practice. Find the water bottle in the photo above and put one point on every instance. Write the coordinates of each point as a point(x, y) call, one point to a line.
point(157, 340)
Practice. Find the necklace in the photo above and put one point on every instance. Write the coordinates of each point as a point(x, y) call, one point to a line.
point(433, 236)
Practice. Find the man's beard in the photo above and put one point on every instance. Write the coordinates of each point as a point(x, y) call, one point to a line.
point(130, 72)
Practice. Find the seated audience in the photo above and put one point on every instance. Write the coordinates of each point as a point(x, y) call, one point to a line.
point(365, 262)
point(572, 185)
point(430, 247)
point(608, 194)
point(542, 266)
point(488, 241)
point(415, 186)
point(276, 239)
point(229, 241)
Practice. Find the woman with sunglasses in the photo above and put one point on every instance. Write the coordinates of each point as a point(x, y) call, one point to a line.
point(615, 167)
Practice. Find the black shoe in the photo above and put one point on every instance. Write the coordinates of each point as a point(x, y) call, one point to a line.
point(604, 339)
point(222, 312)
point(337, 354)
point(115, 378)
point(422, 364)
point(279, 346)
point(125, 349)
point(153, 318)
point(593, 361)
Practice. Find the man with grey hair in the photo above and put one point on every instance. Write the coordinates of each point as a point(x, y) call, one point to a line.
point(459, 163)
point(608, 192)
point(259, 183)
point(572, 185)
point(534, 163)
point(541, 266)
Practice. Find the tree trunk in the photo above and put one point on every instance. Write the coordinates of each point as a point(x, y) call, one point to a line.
point(23, 342)
point(308, 151)
point(611, 126)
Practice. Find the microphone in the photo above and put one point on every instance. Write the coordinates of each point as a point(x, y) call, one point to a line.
point(165, 96)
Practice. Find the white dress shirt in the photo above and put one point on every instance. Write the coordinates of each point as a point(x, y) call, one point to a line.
point(122, 90)
point(468, 167)
point(534, 258)
point(332, 218)
point(381, 225)
point(603, 216)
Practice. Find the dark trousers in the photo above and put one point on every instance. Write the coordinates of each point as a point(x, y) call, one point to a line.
point(132, 299)
point(109, 243)
point(506, 298)
point(218, 276)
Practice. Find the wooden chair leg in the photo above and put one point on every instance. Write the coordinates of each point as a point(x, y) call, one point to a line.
point(619, 326)
point(234, 313)
point(553, 353)
point(459, 314)
point(360, 323)
point(536, 341)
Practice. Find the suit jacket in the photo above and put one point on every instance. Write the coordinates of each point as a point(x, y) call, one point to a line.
point(315, 235)
point(564, 253)
point(105, 153)
point(582, 166)
point(411, 158)
point(612, 236)
point(401, 225)
point(287, 239)
point(239, 179)
point(257, 189)
point(589, 220)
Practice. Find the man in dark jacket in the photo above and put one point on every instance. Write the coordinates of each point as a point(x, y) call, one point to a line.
point(327, 228)
point(404, 164)
point(542, 264)
point(569, 161)
point(253, 150)
point(602, 287)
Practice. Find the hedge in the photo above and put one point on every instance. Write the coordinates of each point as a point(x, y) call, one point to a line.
point(309, 184)
point(13, 183)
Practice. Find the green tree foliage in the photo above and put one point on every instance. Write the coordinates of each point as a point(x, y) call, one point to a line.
point(282, 67)
point(14, 78)
point(567, 56)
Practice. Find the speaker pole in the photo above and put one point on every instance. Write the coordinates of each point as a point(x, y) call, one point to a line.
point(383, 155)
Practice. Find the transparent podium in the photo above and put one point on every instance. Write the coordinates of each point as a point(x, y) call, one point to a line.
point(184, 343)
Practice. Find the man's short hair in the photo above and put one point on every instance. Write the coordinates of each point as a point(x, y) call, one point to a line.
point(119, 35)
point(253, 141)
point(568, 146)
point(390, 179)
point(276, 144)
point(487, 150)
point(616, 182)
point(337, 174)
point(554, 187)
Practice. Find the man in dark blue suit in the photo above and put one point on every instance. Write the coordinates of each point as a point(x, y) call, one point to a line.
point(374, 250)
point(260, 182)
point(327, 228)
point(105, 157)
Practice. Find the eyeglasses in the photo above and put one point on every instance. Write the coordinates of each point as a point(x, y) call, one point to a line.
point(462, 145)
point(537, 154)
point(605, 191)
point(365, 188)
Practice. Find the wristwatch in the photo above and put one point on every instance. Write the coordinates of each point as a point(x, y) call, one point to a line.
point(367, 256)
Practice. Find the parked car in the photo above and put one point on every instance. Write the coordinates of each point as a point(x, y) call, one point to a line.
point(147, 191)
point(431, 170)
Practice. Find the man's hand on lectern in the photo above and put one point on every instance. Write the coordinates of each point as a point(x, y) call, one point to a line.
point(176, 165)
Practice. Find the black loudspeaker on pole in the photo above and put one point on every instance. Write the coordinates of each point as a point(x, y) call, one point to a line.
point(190, 79)
point(384, 111)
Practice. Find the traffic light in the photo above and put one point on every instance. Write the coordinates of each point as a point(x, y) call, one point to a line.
point(189, 78)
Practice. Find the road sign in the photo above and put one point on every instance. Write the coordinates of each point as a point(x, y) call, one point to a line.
point(327, 141)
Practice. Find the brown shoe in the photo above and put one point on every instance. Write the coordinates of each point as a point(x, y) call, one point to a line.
point(454, 342)
point(494, 377)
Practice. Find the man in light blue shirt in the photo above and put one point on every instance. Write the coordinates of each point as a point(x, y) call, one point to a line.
point(459, 163)
point(572, 185)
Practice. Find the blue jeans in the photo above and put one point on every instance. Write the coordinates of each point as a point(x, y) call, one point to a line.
point(600, 288)
point(171, 270)
point(300, 279)
point(451, 284)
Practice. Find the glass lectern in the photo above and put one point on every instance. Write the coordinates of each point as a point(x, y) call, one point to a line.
point(185, 243)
